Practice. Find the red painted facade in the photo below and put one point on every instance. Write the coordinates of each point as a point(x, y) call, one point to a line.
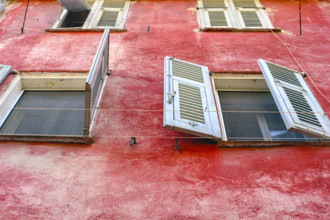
point(110, 179)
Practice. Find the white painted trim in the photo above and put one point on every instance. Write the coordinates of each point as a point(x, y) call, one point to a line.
point(8, 97)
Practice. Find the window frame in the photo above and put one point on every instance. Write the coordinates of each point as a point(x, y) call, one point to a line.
point(93, 18)
point(235, 18)
point(261, 86)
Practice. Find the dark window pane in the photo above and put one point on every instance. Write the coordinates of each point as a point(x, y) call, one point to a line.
point(51, 113)
point(254, 116)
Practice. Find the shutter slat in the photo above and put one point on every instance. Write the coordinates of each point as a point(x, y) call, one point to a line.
point(298, 106)
point(245, 3)
point(187, 71)
point(218, 18)
point(214, 3)
point(300, 103)
point(251, 19)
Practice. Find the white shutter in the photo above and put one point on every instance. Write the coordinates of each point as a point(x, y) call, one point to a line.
point(4, 71)
point(189, 104)
point(214, 13)
point(74, 5)
point(298, 106)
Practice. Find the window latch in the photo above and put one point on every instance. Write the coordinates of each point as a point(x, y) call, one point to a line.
point(170, 97)
point(193, 123)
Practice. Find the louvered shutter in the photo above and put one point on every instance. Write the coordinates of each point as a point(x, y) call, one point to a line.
point(298, 106)
point(214, 4)
point(245, 3)
point(4, 71)
point(74, 5)
point(250, 19)
point(189, 104)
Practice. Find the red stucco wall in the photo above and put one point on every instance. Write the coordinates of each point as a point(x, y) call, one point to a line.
point(110, 179)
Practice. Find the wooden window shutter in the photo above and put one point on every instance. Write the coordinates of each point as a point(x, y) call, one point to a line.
point(298, 107)
point(95, 80)
point(189, 104)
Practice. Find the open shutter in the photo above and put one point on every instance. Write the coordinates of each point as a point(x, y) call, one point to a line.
point(298, 106)
point(4, 71)
point(74, 5)
point(95, 80)
point(189, 104)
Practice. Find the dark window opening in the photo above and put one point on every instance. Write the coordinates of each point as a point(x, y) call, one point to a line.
point(74, 19)
point(255, 116)
point(47, 113)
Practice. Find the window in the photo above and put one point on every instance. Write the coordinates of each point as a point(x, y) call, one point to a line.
point(276, 107)
point(92, 15)
point(57, 107)
point(233, 15)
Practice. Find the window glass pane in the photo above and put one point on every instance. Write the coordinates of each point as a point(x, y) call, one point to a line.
point(254, 116)
point(51, 113)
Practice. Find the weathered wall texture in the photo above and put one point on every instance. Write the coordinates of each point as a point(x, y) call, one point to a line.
point(150, 180)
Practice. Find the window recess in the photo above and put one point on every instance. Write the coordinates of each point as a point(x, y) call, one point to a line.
point(95, 16)
point(243, 109)
point(56, 107)
point(233, 15)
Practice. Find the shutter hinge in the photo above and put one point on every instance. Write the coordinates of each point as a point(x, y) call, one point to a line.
point(170, 97)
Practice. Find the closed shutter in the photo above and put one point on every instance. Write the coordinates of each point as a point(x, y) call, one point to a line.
point(214, 4)
point(74, 5)
point(298, 106)
point(4, 71)
point(251, 19)
point(189, 104)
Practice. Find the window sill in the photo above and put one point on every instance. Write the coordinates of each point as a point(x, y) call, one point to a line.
point(211, 29)
point(230, 144)
point(48, 138)
point(84, 30)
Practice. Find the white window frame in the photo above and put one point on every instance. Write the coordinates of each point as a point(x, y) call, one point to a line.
point(93, 18)
point(234, 17)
